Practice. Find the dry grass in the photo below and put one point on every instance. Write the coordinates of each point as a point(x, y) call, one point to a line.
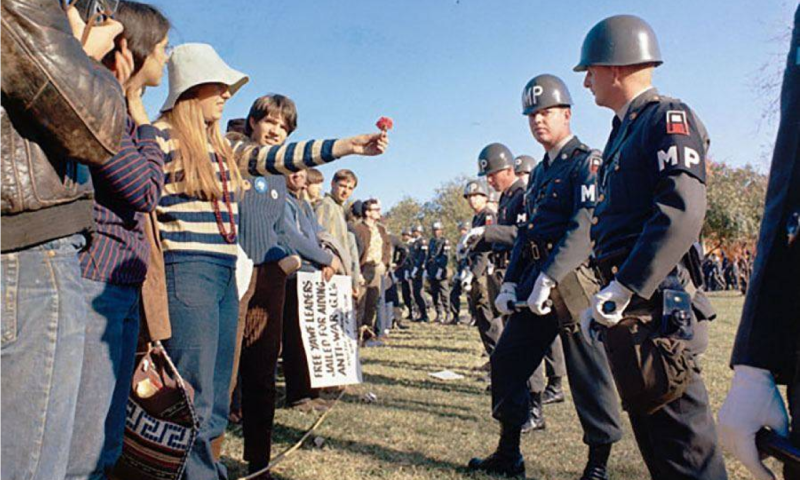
point(423, 428)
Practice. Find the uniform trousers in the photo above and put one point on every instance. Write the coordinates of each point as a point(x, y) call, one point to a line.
point(455, 300)
point(408, 297)
point(520, 351)
point(489, 323)
point(440, 292)
point(419, 298)
point(554, 356)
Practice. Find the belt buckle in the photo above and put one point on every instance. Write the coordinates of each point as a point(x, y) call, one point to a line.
point(535, 251)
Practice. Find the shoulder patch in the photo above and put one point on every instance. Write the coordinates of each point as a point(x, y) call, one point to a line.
point(677, 124)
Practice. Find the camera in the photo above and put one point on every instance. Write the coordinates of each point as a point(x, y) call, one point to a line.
point(97, 11)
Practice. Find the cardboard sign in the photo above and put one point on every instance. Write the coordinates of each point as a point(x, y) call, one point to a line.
point(328, 326)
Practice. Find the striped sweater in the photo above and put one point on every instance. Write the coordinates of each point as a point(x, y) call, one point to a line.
point(188, 225)
point(126, 187)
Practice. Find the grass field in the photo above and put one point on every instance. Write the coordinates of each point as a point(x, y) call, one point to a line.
point(424, 428)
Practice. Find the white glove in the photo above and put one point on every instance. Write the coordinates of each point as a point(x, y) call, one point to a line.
point(439, 274)
point(619, 296)
point(752, 402)
point(540, 294)
point(466, 280)
point(506, 298)
point(473, 236)
point(414, 272)
point(587, 322)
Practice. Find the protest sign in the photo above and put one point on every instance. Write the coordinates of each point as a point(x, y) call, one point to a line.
point(329, 331)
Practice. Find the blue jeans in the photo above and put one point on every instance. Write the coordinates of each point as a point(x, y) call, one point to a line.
point(43, 326)
point(112, 329)
point(203, 310)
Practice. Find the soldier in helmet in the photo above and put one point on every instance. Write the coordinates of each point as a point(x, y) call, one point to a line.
point(404, 272)
point(650, 209)
point(489, 323)
point(418, 274)
point(548, 264)
point(496, 163)
point(523, 166)
point(462, 267)
point(436, 267)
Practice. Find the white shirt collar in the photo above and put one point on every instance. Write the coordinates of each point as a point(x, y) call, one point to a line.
point(552, 154)
point(624, 110)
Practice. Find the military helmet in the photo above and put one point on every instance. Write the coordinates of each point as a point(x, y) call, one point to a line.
point(463, 225)
point(437, 225)
point(619, 41)
point(419, 229)
point(493, 158)
point(544, 91)
point(524, 164)
point(406, 232)
point(474, 187)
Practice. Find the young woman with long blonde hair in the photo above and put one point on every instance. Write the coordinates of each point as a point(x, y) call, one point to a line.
point(198, 226)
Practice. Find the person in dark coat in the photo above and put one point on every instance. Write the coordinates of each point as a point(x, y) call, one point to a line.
point(765, 351)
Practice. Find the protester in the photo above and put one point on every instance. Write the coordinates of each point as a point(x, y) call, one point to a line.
point(332, 216)
point(299, 234)
point(115, 264)
point(271, 120)
point(374, 260)
point(46, 218)
point(313, 191)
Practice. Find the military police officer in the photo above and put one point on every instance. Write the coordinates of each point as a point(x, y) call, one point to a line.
point(523, 166)
point(765, 353)
point(650, 210)
point(404, 272)
point(462, 269)
point(489, 323)
point(496, 163)
point(418, 273)
point(436, 267)
point(549, 268)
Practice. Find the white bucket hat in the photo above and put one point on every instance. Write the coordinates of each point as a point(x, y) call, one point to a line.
point(193, 64)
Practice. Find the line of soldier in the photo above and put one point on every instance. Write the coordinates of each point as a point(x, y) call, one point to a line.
point(601, 251)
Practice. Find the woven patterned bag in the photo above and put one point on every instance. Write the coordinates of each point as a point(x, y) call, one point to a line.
point(161, 424)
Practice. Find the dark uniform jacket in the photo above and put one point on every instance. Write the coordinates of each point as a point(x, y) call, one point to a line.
point(499, 237)
point(420, 255)
point(399, 256)
point(479, 261)
point(770, 328)
point(652, 200)
point(558, 204)
point(438, 256)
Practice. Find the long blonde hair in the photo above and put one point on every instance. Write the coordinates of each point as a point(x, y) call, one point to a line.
point(193, 137)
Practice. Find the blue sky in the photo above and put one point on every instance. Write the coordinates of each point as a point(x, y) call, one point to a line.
point(451, 72)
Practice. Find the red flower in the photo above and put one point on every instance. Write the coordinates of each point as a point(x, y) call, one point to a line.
point(384, 124)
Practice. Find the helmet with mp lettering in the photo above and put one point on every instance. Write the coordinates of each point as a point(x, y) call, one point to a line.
point(524, 164)
point(544, 91)
point(474, 187)
point(493, 158)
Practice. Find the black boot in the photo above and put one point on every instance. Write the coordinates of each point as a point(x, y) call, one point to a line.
point(596, 466)
point(507, 459)
point(398, 324)
point(536, 422)
point(553, 393)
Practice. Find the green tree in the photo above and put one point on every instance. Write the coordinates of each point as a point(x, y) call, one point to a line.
point(735, 205)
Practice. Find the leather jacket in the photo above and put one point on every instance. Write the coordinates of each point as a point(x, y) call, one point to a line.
point(61, 111)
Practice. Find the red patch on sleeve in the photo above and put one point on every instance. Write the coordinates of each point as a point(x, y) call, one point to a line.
point(595, 165)
point(677, 123)
point(489, 220)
